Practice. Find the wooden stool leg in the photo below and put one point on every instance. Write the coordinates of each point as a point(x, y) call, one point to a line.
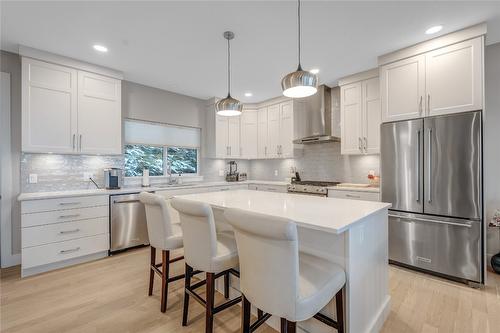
point(151, 271)
point(260, 313)
point(340, 310)
point(283, 326)
point(209, 319)
point(226, 285)
point(187, 285)
point(165, 265)
point(245, 315)
point(291, 326)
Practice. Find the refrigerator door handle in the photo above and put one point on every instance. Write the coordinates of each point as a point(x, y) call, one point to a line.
point(429, 167)
point(418, 166)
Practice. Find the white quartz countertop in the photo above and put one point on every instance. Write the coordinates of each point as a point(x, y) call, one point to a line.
point(135, 189)
point(321, 213)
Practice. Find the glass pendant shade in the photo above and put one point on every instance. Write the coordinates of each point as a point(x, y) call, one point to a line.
point(299, 84)
point(228, 107)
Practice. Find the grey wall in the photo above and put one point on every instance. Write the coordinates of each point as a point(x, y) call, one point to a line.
point(11, 63)
point(491, 143)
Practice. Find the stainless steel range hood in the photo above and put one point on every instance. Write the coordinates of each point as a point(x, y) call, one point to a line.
point(314, 118)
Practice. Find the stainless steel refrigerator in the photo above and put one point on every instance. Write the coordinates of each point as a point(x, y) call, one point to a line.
point(431, 172)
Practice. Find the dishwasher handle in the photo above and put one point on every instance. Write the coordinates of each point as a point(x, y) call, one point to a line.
point(125, 201)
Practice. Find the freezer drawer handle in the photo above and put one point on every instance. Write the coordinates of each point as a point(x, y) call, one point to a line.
point(69, 250)
point(468, 225)
point(68, 231)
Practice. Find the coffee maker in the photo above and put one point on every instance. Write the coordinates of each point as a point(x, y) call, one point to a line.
point(232, 175)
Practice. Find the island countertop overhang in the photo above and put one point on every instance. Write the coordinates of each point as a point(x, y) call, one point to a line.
point(331, 215)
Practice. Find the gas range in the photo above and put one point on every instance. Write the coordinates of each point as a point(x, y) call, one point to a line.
point(311, 187)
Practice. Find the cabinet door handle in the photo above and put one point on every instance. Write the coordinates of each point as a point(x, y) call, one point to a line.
point(68, 203)
point(420, 105)
point(80, 142)
point(265, 151)
point(74, 137)
point(64, 232)
point(352, 196)
point(428, 103)
point(70, 250)
point(366, 144)
point(360, 144)
point(68, 216)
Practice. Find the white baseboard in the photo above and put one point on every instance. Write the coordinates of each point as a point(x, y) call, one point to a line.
point(9, 260)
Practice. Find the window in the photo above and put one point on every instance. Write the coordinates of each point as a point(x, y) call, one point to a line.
point(163, 149)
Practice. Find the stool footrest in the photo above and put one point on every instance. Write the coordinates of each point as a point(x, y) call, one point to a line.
point(261, 320)
point(326, 320)
point(227, 304)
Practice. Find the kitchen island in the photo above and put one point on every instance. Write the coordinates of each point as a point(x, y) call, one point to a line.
point(351, 233)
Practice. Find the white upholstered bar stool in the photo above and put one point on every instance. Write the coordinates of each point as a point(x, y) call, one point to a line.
point(279, 280)
point(208, 251)
point(165, 234)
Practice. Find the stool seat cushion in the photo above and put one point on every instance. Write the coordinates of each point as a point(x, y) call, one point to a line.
point(175, 240)
point(227, 253)
point(319, 281)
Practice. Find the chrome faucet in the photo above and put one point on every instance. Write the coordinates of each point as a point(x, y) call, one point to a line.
point(169, 173)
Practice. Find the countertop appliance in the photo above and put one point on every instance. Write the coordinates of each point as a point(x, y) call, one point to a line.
point(310, 187)
point(432, 175)
point(113, 178)
point(232, 175)
point(128, 226)
point(313, 118)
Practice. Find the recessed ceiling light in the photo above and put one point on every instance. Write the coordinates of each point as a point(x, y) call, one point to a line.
point(314, 71)
point(100, 48)
point(248, 94)
point(434, 29)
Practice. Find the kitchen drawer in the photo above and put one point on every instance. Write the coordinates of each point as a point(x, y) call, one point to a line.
point(354, 195)
point(58, 216)
point(52, 233)
point(49, 253)
point(44, 205)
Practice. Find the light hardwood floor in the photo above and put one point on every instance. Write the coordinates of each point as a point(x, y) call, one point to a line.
point(110, 295)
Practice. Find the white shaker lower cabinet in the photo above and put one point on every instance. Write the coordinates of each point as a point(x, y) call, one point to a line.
point(70, 111)
point(360, 113)
point(354, 195)
point(60, 232)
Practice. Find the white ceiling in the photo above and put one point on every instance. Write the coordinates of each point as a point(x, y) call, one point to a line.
point(178, 46)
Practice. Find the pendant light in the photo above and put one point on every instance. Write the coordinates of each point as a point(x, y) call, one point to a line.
point(228, 106)
point(299, 83)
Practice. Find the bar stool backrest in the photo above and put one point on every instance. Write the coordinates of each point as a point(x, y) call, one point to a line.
point(159, 220)
point(199, 233)
point(269, 260)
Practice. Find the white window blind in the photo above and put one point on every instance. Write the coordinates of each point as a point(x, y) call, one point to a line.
point(139, 132)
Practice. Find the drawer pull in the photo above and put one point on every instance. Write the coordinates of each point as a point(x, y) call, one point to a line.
point(68, 216)
point(64, 232)
point(352, 196)
point(69, 250)
point(68, 203)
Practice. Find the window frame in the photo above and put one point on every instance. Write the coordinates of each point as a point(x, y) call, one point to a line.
point(165, 161)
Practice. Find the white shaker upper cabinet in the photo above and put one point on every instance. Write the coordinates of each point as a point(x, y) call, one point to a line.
point(273, 130)
point(351, 118)
point(262, 141)
point(99, 114)
point(49, 107)
point(371, 116)
point(403, 89)
point(286, 130)
point(249, 134)
point(221, 135)
point(454, 78)
point(233, 136)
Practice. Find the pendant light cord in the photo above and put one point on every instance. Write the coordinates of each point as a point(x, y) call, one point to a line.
point(299, 32)
point(228, 68)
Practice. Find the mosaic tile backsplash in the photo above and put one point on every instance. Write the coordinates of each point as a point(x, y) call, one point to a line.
point(316, 162)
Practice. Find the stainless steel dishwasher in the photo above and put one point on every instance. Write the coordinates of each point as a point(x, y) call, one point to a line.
point(127, 222)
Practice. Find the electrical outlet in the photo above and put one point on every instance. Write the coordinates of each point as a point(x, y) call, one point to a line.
point(221, 172)
point(33, 178)
point(275, 172)
point(87, 175)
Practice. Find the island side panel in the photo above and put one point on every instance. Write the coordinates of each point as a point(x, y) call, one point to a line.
point(368, 299)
